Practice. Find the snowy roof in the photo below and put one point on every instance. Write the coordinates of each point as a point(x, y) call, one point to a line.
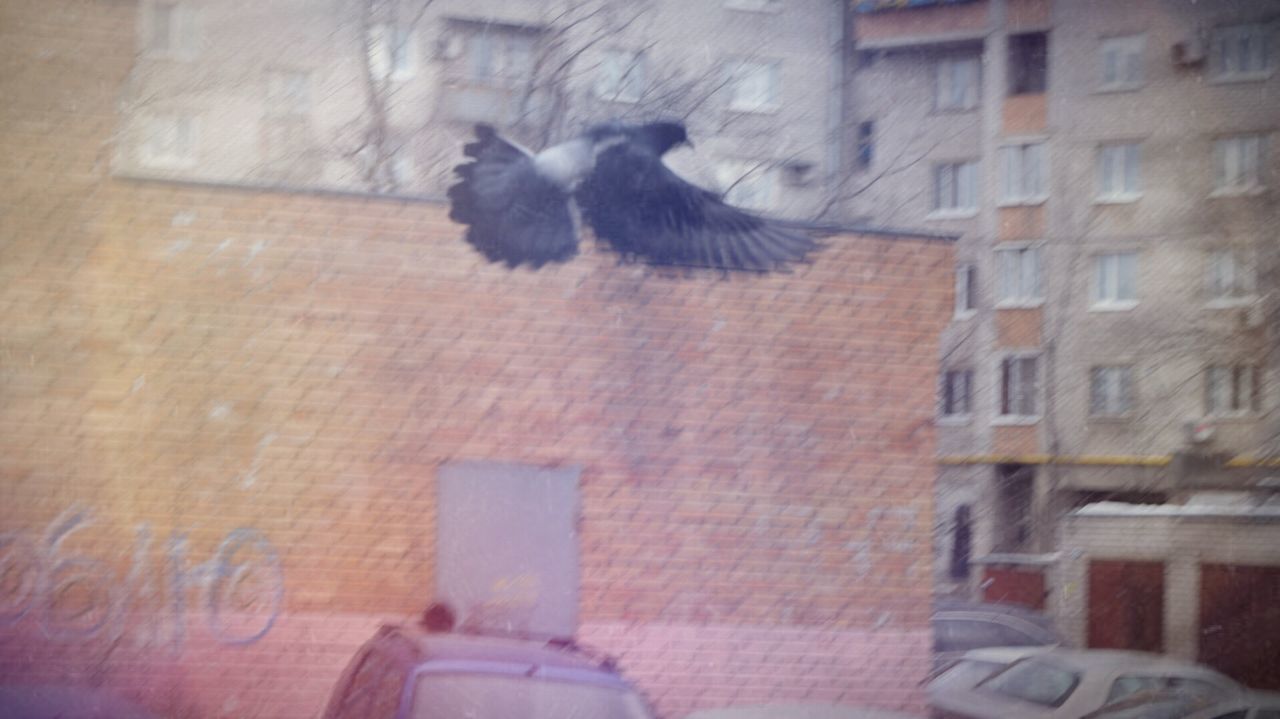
point(1194, 509)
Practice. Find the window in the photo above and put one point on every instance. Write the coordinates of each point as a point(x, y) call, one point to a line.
point(169, 140)
point(955, 188)
point(1238, 163)
point(966, 290)
point(961, 544)
point(1019, 386)
point(1036, 682)
point(1130, 685)
point(957, 84)
point(1115, 280)
point(754, 5)
point(621, 76)
point(1121, 60)
point(1119, 178)
point(392, 52)
point(1231, 277)
point(957, 386)
point(866, 146)
point(1022, 178)
point(496, 54)
point(753, 86)
point(171, 29)
point(748, 184)
point(403, 170)
point(1028, 63)
point(1232, 389)
point(1110, 391)
point(1019, 276)
point(288, 93)
point(1240, 52)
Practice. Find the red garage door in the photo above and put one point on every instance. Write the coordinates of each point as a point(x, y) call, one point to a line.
point(1240, 622)
point(1126, 605)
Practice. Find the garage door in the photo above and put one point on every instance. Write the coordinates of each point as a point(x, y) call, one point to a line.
point(1240, 622)
point(1126, 605)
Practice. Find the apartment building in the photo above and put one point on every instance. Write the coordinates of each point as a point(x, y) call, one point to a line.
point(380, 95)
point(1110, 168)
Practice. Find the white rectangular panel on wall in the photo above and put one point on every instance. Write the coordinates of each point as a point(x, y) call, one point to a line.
point(507, 549)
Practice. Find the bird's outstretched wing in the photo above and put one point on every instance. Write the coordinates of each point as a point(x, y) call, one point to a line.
point(644, 210)
point(513, 214)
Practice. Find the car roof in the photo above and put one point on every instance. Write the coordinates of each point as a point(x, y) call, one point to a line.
point(1003, 655)
point(462, 646)
point(1108, 659)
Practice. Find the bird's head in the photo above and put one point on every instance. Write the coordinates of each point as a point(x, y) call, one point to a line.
point(663, 136)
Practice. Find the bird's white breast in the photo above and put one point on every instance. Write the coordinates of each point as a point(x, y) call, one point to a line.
point(567, 163)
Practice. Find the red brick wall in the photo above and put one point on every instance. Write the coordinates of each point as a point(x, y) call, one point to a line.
point(183, 364)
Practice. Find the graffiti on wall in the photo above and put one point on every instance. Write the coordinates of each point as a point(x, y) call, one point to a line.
point(71, 597)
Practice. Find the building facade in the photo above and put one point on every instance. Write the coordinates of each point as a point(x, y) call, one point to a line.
point(1111, 170)
point(379, 95)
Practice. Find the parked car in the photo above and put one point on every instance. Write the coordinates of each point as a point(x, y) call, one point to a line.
point(408, 672)
point(1068, 684)
point(1182, 704)
point(977, 664)
point(1158, 704)
point(960, 626)
point(59, 701)
point(1254, 705)
point(798, 711)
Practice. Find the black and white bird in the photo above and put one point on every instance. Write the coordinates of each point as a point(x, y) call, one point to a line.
point(518, 206)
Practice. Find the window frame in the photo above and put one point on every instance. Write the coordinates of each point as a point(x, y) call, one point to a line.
point(1248, 407)
point(1024, 299)
point(1020, 150)
point(957, 169)
point(948, 400)
point(1021, 81)
point(732, 171)
point(384, 41)
point(1243, 263)
point(1127, 49)
point(1223, 156)
point(1234, 33)
point(148, 157)
point(1130, 156)
point(1125, 389)
point(966, 290)
point(634, 75)
point(181, 38)
point(865, 144)
point(1106, 298)
point(739, 69)
point(1004, 417)
point(972, 98)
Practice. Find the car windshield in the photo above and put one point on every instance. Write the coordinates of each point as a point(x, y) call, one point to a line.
point(1035, 681)
point(500, 697)
point(966, 673)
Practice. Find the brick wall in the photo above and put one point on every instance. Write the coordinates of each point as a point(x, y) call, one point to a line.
point(208, 395)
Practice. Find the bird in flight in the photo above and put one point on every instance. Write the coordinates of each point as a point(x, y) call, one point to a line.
point(518, 205)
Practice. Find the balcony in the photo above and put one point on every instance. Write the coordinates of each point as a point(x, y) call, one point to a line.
point(889, 24)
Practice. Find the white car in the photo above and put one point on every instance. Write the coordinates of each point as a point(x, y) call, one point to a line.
point(1256, 705)
point(976, 665)
point(1169, 704)
point(1068, 684)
